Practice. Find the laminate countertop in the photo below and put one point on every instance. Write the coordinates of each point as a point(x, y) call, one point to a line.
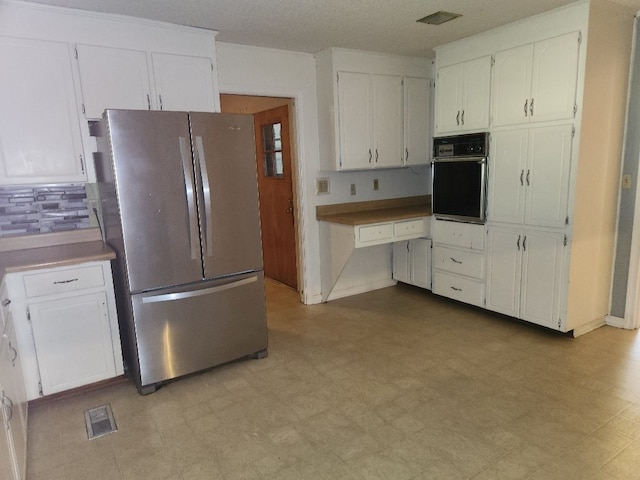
point(46, 251)
point(376, 211)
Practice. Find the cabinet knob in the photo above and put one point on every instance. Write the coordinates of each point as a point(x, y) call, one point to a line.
point(526, 103)
point(531, 108)
point(5, 302)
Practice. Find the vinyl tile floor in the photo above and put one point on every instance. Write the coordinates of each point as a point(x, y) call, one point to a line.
point(395, 384)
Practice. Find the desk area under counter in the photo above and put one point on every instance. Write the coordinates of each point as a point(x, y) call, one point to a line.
point(347, 228)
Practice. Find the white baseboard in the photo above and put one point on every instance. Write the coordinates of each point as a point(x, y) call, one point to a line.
point(614, 321)
point(588, 327)
point(357, 289)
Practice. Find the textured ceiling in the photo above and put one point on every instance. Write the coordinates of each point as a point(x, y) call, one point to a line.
point(313, 25)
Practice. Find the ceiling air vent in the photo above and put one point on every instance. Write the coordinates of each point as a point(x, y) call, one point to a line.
point(439, 18)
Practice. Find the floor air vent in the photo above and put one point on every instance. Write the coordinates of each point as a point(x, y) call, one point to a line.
point(99, 421)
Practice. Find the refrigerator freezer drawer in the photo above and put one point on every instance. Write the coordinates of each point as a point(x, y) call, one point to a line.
point(190, 328)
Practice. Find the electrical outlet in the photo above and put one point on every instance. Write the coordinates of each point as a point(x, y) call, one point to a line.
point(626, 181)
point(375, 184)
point(353, 189)
point(322, 186)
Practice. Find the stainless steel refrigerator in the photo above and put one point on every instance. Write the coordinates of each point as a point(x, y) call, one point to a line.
point(179, 204)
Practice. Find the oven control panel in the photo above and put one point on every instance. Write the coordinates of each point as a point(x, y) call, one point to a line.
point(467, 145)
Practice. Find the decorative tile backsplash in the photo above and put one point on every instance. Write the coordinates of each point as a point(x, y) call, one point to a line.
point(26, 210)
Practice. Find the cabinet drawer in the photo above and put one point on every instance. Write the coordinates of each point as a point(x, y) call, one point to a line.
point(61, 281)
point(464, 289)
point(409, 229)
point(462, 262)
point(373, 234)
point(457, 234)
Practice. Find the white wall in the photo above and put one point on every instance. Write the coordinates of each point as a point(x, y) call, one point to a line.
point(260, 71)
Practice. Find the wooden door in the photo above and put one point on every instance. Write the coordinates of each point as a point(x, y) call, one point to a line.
point(387, 120)
point(476, 87)
point(275, 186)
point(354, 118)
point(511, 86)
point(448, 98)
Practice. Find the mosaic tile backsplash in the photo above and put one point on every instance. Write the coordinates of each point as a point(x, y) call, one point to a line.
point(26, 210)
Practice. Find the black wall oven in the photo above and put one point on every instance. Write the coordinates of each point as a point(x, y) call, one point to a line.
point(459, 177)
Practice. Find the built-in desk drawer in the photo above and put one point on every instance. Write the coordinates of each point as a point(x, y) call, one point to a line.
point(61, 281)
point(375, 234)
point(409, 229)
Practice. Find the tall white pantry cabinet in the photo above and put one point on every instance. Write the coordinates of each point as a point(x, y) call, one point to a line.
point(555, 115)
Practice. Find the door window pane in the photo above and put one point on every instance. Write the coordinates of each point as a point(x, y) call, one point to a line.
point(272, 150)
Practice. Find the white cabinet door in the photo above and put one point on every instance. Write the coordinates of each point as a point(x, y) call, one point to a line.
point(40, 138)
point(448, 98)
point(387, 120)
point(183, 83)
point(476, 88)
point(6, 450)
point(417, 136)
point(402, 262)
point(73, 339)
point(355, 118)
point(511, 86)
point(555, 73)
point(506, 166)
point(535, 82)
point(462, 96)
point(113, 78)
point(504, 246)
point(12, 384)
point(421, 262)
point(524, 274)
point(542, 264)
point(547, 176)
point(529, 176)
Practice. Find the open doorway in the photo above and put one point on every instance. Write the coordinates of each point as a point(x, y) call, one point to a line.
point(275, 156)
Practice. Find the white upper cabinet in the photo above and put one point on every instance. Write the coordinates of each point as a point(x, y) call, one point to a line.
point(387, 120)
point(183, 83)
point(370, 120)
point(529, 176)
point(40, 140)
point(113, 78)
point(120, 78)
point(536, 82)
point(417, 131)
point(462, 96)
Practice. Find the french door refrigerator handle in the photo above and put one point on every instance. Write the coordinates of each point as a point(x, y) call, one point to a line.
point(206, 190)
point(185, 156)
point(168, 297)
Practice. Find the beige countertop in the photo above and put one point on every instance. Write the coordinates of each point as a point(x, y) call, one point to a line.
point(376, 211)
point(52, 250)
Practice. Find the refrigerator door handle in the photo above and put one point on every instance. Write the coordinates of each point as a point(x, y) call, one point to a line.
point(169, 297)
point(185, 156)
point(206, 190)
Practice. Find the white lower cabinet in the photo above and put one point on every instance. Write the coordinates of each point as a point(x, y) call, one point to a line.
point(458, 271)
point(66, 325)
point(524, 274)
point(412, 262)
point(69, 329)
point(13, 441)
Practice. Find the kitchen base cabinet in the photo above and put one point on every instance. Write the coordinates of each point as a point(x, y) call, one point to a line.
point(458, 271)
point(67, 330)
point(524, 274)
point(412, 262)
point(13, 444)
point(66, 325)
